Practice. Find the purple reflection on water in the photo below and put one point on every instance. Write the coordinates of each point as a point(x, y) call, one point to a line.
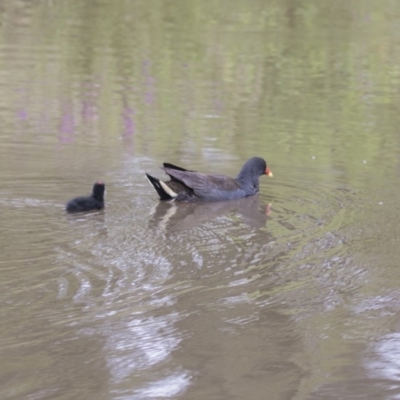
point(89, 111)
point(128, 121)
point(149, 81)
point(128, 118)
point(22, 114)
point(89, 104)
point(67, 125)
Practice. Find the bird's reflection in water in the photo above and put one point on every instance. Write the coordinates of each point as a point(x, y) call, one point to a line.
point(175, 216)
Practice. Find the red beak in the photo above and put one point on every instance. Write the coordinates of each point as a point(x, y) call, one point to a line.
point(268, 172)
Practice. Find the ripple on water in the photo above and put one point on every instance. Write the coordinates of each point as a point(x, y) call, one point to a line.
point(138, 246)
point(131, 272)
point(309, 220)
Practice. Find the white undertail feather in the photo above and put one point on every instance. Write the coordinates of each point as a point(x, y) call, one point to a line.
point(168, 190)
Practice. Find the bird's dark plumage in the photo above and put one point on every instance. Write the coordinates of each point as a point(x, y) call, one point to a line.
point(93, 202)
point(186, 185)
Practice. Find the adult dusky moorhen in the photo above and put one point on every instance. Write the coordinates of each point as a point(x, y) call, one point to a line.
point(186, 185)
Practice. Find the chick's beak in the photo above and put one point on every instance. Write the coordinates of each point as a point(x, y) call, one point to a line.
point(268, 172)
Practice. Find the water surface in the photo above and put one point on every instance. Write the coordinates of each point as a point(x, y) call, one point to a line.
point(290, 294)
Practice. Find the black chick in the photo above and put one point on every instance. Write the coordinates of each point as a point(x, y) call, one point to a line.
point(89, 203)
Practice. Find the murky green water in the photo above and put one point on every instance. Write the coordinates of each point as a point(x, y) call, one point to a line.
point(291, 294)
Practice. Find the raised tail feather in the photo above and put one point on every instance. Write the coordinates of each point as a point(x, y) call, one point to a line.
point(172, 166)
point(162, 188)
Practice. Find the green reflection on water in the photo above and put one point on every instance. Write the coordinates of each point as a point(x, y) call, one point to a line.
point(286, 79)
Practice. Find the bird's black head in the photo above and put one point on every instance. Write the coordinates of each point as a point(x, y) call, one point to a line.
point(254, 168)
point(98, 190)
